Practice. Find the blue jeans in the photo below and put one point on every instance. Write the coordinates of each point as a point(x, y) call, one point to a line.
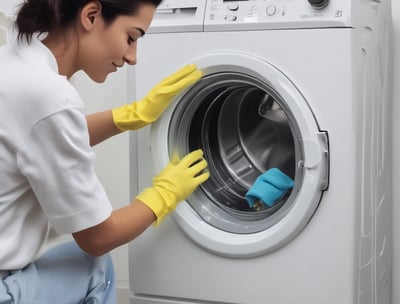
point(63, 275)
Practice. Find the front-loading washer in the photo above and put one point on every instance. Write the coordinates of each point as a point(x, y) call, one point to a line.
point(299, 85)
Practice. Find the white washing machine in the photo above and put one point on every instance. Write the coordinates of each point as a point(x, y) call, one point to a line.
point(300, 85)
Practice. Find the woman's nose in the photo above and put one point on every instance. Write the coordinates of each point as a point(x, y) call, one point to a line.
point(130, 56)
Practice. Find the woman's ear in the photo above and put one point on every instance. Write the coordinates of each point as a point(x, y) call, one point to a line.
point(90, 15)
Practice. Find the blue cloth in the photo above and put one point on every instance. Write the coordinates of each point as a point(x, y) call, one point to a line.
point(269, 187)
point(63, 275)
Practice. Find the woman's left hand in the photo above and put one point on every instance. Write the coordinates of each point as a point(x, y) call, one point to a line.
point(145, 111)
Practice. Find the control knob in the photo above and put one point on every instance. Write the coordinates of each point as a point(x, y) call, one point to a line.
point(319, 4)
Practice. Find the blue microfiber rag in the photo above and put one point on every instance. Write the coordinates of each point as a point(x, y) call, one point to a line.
point(269, 187)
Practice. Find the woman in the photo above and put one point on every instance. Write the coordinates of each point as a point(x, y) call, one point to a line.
point(46, 163)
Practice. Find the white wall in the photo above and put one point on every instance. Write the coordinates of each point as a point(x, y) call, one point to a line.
point(8, 6)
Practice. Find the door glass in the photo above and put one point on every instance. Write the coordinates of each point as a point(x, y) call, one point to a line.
point(244, 129)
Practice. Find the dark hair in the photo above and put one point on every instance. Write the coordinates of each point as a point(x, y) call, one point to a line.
point(42, 16)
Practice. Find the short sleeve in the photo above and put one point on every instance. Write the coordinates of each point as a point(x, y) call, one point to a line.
point(58, 162)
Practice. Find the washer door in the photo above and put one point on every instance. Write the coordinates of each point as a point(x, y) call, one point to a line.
point(248, 117)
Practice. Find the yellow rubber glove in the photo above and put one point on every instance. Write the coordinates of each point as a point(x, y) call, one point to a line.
point(174, 184)
point(143, 112)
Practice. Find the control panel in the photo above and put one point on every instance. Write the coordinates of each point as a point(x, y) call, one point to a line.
point(270, 14)
point(230, 15)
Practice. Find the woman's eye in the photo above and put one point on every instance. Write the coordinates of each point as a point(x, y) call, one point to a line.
point(131, 40)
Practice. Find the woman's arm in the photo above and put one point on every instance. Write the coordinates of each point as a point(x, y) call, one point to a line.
point(122, 226)
point(101, 126)
point(172, 185)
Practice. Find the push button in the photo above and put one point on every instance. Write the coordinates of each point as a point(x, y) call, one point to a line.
point(230, 18)
point(271, 10)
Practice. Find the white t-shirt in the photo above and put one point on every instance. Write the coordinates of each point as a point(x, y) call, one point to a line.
point(46, 163)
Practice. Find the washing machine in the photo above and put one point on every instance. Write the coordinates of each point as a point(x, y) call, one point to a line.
point(298, 85)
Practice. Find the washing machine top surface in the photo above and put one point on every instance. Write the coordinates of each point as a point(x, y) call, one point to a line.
point(232, 15)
